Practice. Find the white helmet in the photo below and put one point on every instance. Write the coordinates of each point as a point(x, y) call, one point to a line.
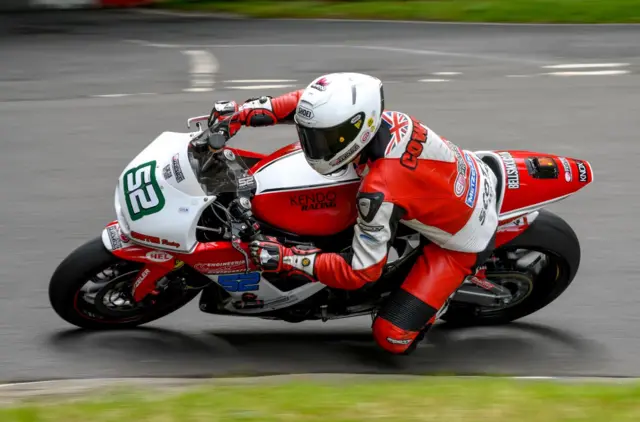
point(337, 116)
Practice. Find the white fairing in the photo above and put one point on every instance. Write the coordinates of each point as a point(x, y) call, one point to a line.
point(291, 172)
point(272, 297)
point(153, 206)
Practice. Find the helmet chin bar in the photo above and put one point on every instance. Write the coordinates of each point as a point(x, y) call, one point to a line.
point(340, 171)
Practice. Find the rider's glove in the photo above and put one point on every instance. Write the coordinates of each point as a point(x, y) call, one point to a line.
point(271, 256)
point(222, 109)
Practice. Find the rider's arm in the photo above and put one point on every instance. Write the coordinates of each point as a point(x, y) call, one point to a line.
point(263, 111)
point(267, 111)
point(378, 219)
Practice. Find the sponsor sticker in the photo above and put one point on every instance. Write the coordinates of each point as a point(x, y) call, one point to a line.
point(175, 163)
point(370, 122)
point(321, 84)
point(154, 239)
point(395, 341)
point(141, 278)
point(166, 172)
point(369, 228)
point(158, 256)
point(365, 136)
point(314, 201)
point(568, 174)
point(513, 177)
point(459, 185)
point(346, 156)
point(582, 172)
point(305, 112)
point(219, 267)
point(473, 183)
point(114, 237)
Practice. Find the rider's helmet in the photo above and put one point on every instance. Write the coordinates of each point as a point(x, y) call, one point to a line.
point(337, 116)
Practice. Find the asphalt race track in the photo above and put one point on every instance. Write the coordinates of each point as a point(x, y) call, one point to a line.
point(82, 93)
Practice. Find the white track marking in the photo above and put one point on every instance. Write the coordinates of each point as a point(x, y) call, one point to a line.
point(122, 95)
point(434, 80)
point(259, 86)
point(446, 73)
point(590, 73)
point(256, 81)
point(203, 65)
point(584, 65)
point(411, 51)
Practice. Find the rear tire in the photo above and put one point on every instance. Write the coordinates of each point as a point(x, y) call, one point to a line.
point(551, 235)
point(83, 265)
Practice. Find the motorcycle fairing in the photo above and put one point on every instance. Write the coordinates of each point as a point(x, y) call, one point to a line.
point(158, 199)
point(533, 180)
point(219, 261)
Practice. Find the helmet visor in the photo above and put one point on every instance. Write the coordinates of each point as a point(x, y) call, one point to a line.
point(326, 143)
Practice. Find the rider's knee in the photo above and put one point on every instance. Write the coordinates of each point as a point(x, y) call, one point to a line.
point(391, 338)
point(401, 321)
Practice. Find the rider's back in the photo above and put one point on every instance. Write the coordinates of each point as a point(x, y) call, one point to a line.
point(448, 193)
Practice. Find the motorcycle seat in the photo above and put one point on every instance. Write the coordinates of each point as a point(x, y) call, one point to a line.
point(494, 163)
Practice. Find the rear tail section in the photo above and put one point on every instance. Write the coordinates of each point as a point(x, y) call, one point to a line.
point(533, 180)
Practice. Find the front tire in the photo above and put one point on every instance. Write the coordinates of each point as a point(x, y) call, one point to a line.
point(550, 235)
point(83, 287)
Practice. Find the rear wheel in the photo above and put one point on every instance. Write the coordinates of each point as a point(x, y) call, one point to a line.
point(92, 287)
point(536, 267)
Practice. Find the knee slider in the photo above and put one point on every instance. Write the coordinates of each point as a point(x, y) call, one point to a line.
point(406, 311)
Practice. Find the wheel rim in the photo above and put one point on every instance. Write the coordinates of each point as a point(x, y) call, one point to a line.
point(107, 296)
point(521, 268)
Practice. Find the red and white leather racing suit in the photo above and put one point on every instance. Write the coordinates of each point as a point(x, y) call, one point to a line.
point(414, 177)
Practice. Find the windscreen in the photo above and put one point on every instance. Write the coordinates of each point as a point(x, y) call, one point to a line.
point(220, 172)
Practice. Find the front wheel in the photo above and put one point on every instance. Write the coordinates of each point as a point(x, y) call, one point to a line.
point(536, 267)
point(91, 288)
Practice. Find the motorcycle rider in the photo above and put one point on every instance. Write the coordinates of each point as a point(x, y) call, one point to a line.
point(410, 176)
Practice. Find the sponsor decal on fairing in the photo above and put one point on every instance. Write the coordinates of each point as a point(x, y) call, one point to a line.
point(513, 177)
point(582, 172)
point(473, 183)
point(314, 201)
point(568, 174)
point(175, 163)
point(158, 256)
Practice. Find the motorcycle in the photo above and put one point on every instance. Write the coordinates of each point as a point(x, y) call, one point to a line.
point(188, 205)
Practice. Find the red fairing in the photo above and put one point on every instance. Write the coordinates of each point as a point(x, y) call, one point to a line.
point(534, 179)
point(320, 211)
point(207, 258)
point(218, 258)
point(314, 212)
point(507, 231)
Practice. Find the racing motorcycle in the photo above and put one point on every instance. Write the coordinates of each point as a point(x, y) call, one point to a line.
point(188, 205)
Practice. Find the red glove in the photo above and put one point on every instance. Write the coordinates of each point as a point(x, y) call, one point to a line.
point(271, 256)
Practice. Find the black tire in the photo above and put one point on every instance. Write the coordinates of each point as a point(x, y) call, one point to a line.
point(551, 235)
point(83, 264)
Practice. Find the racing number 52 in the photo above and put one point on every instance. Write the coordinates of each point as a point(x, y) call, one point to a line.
point(141, 191)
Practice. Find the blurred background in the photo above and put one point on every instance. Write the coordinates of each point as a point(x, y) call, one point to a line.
point(83, 91)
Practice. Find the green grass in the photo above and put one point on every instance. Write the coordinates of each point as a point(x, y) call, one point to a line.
point(554, 11)
point(426, 399)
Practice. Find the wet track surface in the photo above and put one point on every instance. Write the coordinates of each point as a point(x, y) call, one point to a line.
point(72, 116)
